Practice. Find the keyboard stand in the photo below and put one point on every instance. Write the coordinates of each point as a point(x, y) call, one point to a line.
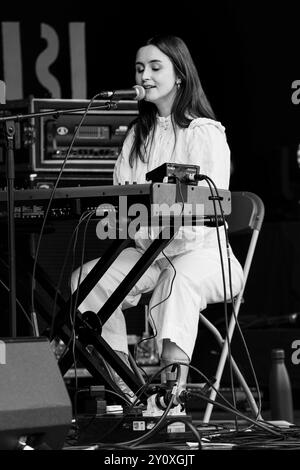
point(89, 343)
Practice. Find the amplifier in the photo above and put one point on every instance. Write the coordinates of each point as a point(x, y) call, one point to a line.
point(42, 143)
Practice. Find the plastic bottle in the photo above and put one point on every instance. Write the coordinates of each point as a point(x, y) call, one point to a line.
point(281, 400)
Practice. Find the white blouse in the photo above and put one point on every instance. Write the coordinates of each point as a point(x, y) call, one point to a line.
point(203, 143)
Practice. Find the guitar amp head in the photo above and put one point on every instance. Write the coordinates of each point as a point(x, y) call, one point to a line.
point(43, 142)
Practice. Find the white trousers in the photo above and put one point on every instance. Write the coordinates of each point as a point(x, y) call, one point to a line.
point(198, 282)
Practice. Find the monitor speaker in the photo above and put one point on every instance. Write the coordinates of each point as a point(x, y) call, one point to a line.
point(35, 406)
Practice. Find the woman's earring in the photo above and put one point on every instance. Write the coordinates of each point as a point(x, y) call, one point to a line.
point(178, 83)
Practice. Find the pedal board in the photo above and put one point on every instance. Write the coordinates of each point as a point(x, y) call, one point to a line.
point(119, 428)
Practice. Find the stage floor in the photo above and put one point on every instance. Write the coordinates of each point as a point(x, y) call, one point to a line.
point(118, 434)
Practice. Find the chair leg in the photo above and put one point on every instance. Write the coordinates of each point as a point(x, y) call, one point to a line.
point(231, 327)
point(240, 377)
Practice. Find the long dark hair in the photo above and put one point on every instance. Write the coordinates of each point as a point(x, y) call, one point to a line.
point(190, 101)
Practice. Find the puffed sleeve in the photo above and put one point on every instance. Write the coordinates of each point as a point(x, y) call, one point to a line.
point(122, 169)
point(207, 147)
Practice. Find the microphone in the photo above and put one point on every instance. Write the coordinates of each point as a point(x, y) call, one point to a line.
point(135, 93)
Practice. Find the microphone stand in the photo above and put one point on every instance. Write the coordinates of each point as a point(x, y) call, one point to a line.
point(10, 174)
point(9, 130)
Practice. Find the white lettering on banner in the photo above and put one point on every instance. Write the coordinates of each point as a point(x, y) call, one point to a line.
point(47, 58)
point(12, 60)
point(13, 69)
point(78, 60)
